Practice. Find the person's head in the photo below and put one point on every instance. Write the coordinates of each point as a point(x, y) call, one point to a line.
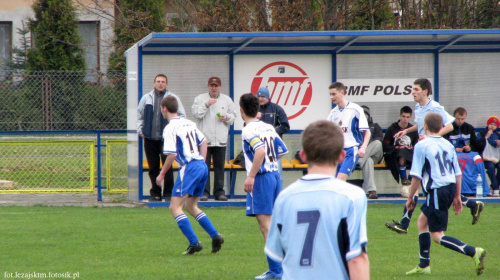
point(249, 105)
point(366, 109)
point(405, 115)
point(263, 94)
point(323, 143)
point(433, 122)
point(422, 88)
point(493, 123)
point(337, 92)
point(160, 82)
point(214, 86)
point(460, 114)
point(170, 105)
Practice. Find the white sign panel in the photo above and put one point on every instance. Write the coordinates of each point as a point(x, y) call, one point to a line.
point(379, 90)
point(298, 83)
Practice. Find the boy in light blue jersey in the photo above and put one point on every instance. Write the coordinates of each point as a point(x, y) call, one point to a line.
point(262, 148)
point(185, 143)
point(422, 89)
point(351, 118)
point(435, 167)
point(318, 228)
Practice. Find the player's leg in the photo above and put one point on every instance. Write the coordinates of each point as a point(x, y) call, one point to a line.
point(183, 223)
point(197, 178)
point(402, 226)
point(476, 207)
point(345, 168)
point(275, 269)
point(424, 243)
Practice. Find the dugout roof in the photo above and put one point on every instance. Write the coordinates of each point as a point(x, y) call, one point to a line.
point(339, 42)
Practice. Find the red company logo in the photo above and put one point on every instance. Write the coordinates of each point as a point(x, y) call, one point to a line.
point(289, 86)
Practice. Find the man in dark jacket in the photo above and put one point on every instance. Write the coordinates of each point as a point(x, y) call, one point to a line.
point(463, 136)
point(272, 113)
point(398, 153)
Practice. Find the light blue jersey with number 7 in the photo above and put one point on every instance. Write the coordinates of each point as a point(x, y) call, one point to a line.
point(318, 224)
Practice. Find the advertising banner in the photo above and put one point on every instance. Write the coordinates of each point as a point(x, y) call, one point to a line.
point(379, 90)
point(298, 83)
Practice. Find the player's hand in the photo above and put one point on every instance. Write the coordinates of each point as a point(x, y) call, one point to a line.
point(159, 179)
point(248, 187)
point(399, 133)
point(410, 203)
point(457, 205)
point(361, 152)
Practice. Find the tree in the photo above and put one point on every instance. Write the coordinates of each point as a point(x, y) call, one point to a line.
point(135, 20)
point(18, 62)
point(56, 39)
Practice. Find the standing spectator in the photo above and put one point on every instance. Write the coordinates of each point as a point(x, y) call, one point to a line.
point(372, 156)
point(441, 185)
point(489, 143)
point(352, 120)
point(463, 135)
point(322, 208)
point(262, 147)
point(185, 144)
point(274, 115)
point(215, 113)
point(150, 125)
point(399, 151)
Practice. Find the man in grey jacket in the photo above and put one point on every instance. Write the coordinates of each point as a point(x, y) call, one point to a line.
point(214, 113)
point(150, 124)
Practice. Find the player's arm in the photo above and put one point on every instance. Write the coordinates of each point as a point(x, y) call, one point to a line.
point(446, 129)
point(366, 140)
point(359, 267)
point(168, 163)
point(256, 164)
point(406, 131)
point(203, 147)
point(457, 200)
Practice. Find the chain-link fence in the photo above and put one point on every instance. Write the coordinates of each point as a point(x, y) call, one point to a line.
point(63, 100)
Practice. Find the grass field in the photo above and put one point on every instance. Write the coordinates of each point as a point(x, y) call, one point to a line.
point(145, 243)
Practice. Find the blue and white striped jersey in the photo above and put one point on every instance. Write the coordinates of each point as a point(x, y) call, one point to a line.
point(431, 106)
point(318, 224)
point(257, 134)
point(435, 163)
point(352, 121)
point(181, 137)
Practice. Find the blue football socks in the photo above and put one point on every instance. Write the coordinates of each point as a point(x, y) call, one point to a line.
point(185, 226)
point(457, 245)
point(424, 242)
point(206, 224)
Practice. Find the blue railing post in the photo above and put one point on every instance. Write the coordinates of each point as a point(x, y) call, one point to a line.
point(99, 181)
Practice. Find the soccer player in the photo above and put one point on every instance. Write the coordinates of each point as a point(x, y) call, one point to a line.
point(186, 144)
point(435, 167)
point(422, 88)
point(262, 148)
point(352, 120)
point(318, 228)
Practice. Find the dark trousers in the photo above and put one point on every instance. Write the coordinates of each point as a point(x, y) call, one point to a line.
point(154, 153)
point(490, 170)
point(218, 154)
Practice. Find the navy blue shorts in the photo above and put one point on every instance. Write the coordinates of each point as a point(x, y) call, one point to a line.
point(349, 163)
point(191, 179)
point(436, 206)
point(266, 188)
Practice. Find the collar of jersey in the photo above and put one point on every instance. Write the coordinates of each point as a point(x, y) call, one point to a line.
point(316, 177)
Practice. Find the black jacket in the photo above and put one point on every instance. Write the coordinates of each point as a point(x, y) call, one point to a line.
point(275, 115)
point(462, 135)
point(392, 150)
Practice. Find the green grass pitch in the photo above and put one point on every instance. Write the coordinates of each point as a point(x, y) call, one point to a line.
point(145, 243)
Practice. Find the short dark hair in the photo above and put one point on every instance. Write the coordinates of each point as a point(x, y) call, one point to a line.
point(161, 75)
point(425, 84)
point(322, 141)
point(434, 122)
point(460, 111)
point(405, 109)
point(249, 102)
point(338, 86)
point(171, 103)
